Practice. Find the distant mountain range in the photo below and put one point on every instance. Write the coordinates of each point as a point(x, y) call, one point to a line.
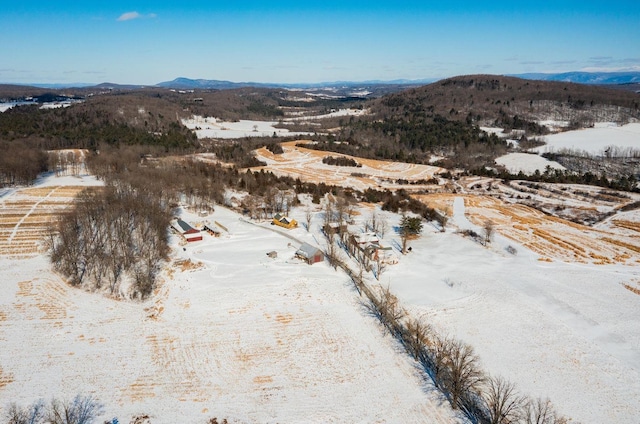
point(193, 84)
point(602, 78)
point(586, 77)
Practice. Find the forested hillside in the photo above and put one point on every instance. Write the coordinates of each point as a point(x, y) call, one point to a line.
point(443, 119)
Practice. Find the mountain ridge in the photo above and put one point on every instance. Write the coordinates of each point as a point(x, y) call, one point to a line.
point(184, 83)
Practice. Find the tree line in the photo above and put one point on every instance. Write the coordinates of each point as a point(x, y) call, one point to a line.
point(21, 164)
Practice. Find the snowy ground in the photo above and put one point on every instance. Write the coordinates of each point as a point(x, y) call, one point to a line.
point(556, 329)
point(334, 114)
point(215, 128)
point(229, 333)
point(594, 140)
point(527, 163)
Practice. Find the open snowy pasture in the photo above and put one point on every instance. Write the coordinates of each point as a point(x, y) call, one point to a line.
point(294, 117)
point(594, 140)
point(229, 333)
point(215, 128)
point(527, 163)
point(565, 329)
point(306, 164)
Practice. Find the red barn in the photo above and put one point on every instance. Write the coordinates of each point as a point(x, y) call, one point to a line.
point(187, 231)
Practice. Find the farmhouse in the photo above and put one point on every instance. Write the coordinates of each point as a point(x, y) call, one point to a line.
point(364, 239)
point(334, 228)
point(369, 245)
point(284, 221)
point(310, 254)
point(186, 231)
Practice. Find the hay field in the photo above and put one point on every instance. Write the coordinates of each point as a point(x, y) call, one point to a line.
point(306, 164)
point(550, 237)
point(27, 213)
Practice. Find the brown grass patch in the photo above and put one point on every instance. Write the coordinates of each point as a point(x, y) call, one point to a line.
point(629, 225)
point(263, 379)
point(620, 243)
point(632, 289)
point(141, 389)
point(187, 264)
point(5, 378)
point(284, 319)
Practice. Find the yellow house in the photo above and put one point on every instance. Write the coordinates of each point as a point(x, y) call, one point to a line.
point(284, 221)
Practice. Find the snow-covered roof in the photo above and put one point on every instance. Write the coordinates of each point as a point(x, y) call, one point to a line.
point(307, 250)
point(366, 238)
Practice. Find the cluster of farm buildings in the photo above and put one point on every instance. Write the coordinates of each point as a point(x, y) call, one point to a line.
point(366, 244)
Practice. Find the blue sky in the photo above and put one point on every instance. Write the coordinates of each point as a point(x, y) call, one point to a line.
point(146, 42)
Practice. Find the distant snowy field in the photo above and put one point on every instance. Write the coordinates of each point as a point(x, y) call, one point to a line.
point(214, 128)
point(590, 140)
point(594, 140)
point(526, 162)
point(209, 127)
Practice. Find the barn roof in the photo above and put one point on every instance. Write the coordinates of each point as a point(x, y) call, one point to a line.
point(185, 227)
point(308, 251)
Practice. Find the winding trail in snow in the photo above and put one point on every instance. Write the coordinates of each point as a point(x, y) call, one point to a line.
point(33, 208)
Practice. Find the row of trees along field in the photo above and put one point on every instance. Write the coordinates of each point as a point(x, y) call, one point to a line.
point(451, 364)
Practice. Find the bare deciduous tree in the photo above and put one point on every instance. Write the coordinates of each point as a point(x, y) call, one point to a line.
point(33, 414)
point(463, 373)
point(81, 410)
point(307, 217)
point(489, 230)
point(388, 309)
point(540, 411)
point(418, 336)
point(503, 404)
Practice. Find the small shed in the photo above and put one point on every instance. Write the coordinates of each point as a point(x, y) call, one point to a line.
point(212, 230)
point(310, 254)
point(187, 231)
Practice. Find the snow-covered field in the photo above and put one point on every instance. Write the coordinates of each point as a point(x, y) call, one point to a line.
point(556, 329)
point(527, 163)
point(230, 333)
point(334, 114)
point(214, 128)
point(594, 140)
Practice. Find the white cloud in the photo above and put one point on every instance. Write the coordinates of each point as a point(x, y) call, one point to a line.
point(129, 16)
